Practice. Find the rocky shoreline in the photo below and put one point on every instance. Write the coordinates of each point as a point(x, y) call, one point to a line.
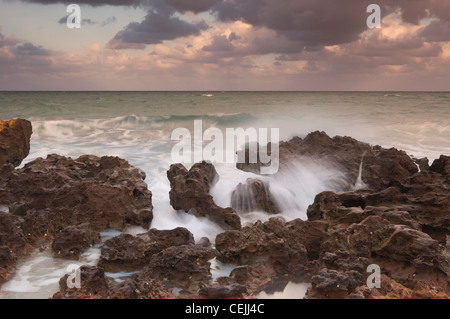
point(394, 213)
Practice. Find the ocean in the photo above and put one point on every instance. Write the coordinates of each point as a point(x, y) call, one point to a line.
point(137, 126)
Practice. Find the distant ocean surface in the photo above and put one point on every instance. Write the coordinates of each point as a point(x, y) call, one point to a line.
point(137, 126)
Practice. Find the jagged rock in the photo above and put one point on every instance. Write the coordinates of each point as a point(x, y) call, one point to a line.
point(11, 233)
point(423, 163)
point(7, 263)
point(333, 284)
point(14, 141)
point(95, 285)
point(58, 191)
point(276, 244)
point(181, 266)
point(70, 242)
point(412, 246)
point(441, 165)
point(253, 196)
point(128, 253)
point(190, 192)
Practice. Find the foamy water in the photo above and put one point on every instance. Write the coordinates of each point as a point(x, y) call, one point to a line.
point(137, 126)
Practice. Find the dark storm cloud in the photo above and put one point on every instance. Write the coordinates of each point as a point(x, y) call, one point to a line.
point(31, 50)
point(219, 43)
point(310, 22)
point(175, 5)
point(154, 29)
point(316, 23)
point(192, 5)
point(436, 31)
point(93, 3)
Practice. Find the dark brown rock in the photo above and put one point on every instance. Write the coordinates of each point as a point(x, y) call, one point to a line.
point(57, 192)
point(70, 242)
point(333, 284)
point(181, 266)
point(14, 141)
point(441, 165)
point(253, 196)
point(128, 253)
point(93, 285)
point(274, 244)
point(190, 192)
point(7, 263)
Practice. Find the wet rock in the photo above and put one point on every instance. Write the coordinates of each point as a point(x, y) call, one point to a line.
point(441, 165)
point(423, 163)
point(333, 284)
point(14, 141)
point(57, 192)
point(7, 263)
point(128, 253)
point(253, 196)
point(410, 245)
point(93, 284)
point(381, 168)
point(11, 233)
point(137, 288)
point(222, 291)
point(274, 244)
point(181, 266)
point(190, 192)
point(70, 242)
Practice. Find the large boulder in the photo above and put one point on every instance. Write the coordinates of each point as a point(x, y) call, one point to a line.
point(14, 141)
point(186, 266)
point(53, 193)
point(441, 165)
point(189, 191)
point(129, 253)
point(284, 247)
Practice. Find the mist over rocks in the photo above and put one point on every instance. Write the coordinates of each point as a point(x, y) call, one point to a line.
point(380, 167)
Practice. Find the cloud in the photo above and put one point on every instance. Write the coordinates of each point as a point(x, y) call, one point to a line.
point(436, 31)
point(193, 5)
point(93, 3)
point(63, 20)
point(219, 43)
point(108, 21)
point(154, 29)
point(31, 50)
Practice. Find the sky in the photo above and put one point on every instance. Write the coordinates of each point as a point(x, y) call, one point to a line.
point(220, 45)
